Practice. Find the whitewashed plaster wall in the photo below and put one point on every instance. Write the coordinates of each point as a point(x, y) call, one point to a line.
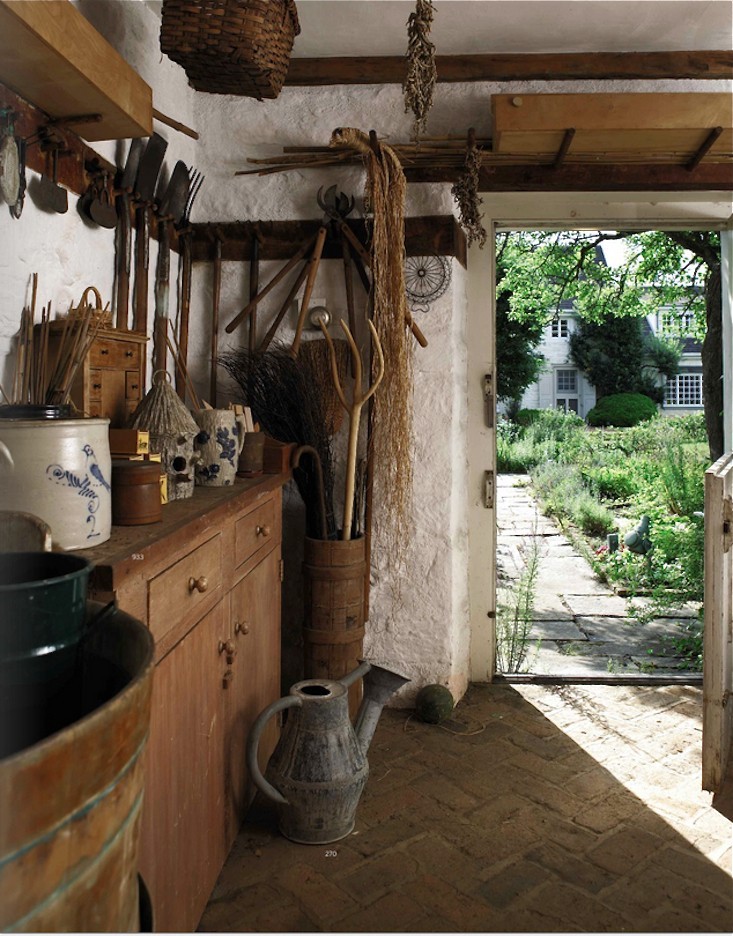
point(428, 634)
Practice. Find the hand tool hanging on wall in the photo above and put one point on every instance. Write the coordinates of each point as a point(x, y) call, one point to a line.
point(172, 206)
point(247, 310)
point(147, 175)
point(195, 180)
point(215, 298)
point(124, 232)
point(254, 285)
point(309, 283)
point(49, 195)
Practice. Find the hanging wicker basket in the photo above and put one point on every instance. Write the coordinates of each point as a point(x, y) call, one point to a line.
point(231, 46)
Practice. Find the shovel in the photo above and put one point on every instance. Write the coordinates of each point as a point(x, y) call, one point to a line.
point(172, 205)
point(124, 232)
point(150, 161)
point(50, 196)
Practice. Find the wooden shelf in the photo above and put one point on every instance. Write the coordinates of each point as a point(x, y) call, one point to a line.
point(613, 128)
point(54, 58)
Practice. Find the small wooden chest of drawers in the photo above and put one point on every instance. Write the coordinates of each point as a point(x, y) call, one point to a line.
point(111, 381)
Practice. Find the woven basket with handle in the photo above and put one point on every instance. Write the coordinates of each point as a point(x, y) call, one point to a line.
point(231, 46)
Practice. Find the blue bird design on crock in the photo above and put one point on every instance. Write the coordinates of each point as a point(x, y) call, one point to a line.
point(84, 485)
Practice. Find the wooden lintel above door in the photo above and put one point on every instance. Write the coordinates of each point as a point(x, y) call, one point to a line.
point(589, 177)
point(570, 66)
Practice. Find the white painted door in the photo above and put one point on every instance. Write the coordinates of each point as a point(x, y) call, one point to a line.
point(718, 639)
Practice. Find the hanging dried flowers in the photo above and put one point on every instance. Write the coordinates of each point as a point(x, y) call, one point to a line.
point(421, 72)
point(465, 192)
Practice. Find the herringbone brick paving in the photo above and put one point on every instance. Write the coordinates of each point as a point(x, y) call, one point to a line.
point(535, 809)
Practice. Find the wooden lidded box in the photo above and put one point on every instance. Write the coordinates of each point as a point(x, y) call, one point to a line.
point(135, 493)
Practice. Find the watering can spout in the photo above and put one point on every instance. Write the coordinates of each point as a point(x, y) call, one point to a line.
point(380, 685)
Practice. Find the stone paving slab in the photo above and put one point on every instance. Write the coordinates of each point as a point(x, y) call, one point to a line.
point(608, 605)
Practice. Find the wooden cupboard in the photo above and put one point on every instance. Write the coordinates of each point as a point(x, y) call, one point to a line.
point(206, 581)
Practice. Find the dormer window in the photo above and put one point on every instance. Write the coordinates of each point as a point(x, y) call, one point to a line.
point(560, 328)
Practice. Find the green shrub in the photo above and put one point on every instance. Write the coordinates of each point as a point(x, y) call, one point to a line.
point(593, 518)
point(526, 417)
point(622, 409)
point(682, 476)
point(610, 482)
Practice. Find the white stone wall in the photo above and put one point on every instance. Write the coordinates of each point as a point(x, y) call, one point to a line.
point(428, 634)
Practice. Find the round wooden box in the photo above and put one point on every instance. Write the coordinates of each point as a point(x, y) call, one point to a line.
point(136, 493)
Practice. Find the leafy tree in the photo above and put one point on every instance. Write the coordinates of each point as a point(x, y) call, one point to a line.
point(664, 268)
point(620, 357)
point(518, 364)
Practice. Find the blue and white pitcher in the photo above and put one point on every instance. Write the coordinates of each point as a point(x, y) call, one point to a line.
point(219, 442)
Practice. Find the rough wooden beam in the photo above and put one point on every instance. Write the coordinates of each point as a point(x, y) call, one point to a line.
point(279, 240)
point(585, 177)
point(571, 66)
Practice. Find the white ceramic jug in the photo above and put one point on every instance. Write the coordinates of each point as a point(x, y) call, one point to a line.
point(60, 470)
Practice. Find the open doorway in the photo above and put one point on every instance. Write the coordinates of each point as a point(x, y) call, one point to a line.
point(563, 210)
point(601, 452)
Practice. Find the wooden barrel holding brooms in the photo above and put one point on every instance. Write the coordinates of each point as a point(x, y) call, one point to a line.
point(335, 569)
point(333, 633)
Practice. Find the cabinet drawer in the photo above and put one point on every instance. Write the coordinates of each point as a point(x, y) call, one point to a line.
point(185, 590)
point(95, 385)
point(253, 531)
point(132, 385)
point(107, 353)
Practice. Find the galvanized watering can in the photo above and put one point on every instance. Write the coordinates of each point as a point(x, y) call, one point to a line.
point(319, 768)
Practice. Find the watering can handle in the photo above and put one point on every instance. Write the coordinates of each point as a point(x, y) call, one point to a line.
point(253, 743)
point(6, 457)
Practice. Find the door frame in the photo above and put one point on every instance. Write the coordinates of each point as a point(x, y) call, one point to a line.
point(554, 211)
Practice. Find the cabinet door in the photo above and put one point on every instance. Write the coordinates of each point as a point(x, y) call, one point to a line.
point(255, 621)
point(183, 842)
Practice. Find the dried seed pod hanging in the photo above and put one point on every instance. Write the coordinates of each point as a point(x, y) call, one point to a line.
point(465, 192)
point(421, 72)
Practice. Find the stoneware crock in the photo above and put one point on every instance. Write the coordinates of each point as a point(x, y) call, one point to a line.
point(59, 470)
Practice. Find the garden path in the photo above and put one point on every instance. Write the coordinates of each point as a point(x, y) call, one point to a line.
point(580, 626)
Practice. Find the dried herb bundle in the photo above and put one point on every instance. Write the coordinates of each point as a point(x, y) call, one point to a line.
point(465, 192)
point(286, 396)
point(421, 76)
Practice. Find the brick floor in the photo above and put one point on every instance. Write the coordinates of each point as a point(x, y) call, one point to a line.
point(535, 809)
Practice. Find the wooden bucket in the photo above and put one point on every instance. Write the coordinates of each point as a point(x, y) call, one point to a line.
point(334, 610)
point(71, 803)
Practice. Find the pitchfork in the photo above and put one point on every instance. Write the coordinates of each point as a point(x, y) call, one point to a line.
point(353, 408)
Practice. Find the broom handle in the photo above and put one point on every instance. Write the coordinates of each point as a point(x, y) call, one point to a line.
point(309, 283)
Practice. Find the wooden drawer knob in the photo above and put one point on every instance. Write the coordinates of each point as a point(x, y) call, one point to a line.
point(241, 628)
point(227, 646)
point(262, 530)
point(199, 584)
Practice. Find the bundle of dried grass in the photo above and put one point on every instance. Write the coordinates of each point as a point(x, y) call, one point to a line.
point(319, 363)
point(422, 74)
point(392, 407)
point(286, 396)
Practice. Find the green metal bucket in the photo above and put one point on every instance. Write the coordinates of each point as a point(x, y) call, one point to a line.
point(42, 622)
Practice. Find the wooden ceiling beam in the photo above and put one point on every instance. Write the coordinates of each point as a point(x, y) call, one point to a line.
point(590, 177)
point(563, 66)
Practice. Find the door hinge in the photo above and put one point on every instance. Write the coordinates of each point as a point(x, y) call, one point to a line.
point(489, 490)
point(282, 570)
point(727, 523)
point(489, 399)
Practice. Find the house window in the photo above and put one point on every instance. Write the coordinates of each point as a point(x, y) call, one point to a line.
point(684, 390)
point(567, 381)
point(559, 328)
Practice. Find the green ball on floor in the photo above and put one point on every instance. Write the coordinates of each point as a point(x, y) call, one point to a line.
point(433, 704)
